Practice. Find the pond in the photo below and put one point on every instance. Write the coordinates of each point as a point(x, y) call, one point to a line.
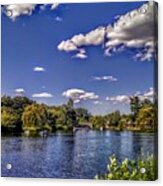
point(82, 155)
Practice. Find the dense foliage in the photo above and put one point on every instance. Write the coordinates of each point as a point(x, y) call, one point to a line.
point(144, 169)
point(20, 114)
point(35, 118)
point(11, 113)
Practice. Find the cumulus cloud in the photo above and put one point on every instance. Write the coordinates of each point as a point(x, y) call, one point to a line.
point(133, 30)
point(119, 98)
point(19, 92)
point(149, 94)
point(38, 69)
point(105, 78)
point(42, 95)
point(15, 10)
point(67, 46)
point(78, 95)
point(94, 37)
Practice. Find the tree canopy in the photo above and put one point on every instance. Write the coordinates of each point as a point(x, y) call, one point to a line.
point(35, 118)
point(21, 114)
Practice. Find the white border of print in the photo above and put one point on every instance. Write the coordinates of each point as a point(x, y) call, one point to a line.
point(61, 182)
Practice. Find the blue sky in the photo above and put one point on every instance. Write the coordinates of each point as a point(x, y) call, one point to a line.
point(34, 65)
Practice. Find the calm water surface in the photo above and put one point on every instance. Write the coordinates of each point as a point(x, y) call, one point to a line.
point(82, 155)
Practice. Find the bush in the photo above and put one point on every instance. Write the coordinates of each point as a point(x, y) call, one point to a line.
point(131, 169)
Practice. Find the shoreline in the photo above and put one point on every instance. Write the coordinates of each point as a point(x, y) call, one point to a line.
point(73, 133)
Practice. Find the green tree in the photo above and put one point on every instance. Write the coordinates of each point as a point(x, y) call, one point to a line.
point(70, 115)
point(146, 117)
point(135, 105)
point(17, 105)
point(63, 117)
point(35, 118)
point(146, 102)
point(125, 120)
point(6, 101)
point(9, 119)
point(113, 118)
point(61, 122)
point(20, 102)
point(56, 118)
point(82, 115)
point(98, 122)
point(70, 104)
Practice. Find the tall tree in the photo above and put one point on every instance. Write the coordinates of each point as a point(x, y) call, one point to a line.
point(9, 119)
point(70, 104)
point(35, 118)
point(146, 117)
point(135, 105)
point(82, 114)
point(113, 118)
point(70, 114)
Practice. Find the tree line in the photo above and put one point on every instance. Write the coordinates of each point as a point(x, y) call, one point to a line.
point(21, 115)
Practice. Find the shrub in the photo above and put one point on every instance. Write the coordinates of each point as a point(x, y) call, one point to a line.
point(131, 169)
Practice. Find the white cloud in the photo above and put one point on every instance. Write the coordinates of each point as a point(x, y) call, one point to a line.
point(67, 46)
point(126, 98)
point(134, 30)
point(149, 93)
point(119, 98)
point(94, 37)
point(15, 10)
point(105, 78)
point(137, 93)
point(38, 69)
point(54, 6)
point(81, 54)
point(42, 95)
point(78, 95)
point(97, 102)
point(19, 91)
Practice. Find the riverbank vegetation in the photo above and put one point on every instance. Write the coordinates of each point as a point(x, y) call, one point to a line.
point(144, 169)
point(21, 115)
